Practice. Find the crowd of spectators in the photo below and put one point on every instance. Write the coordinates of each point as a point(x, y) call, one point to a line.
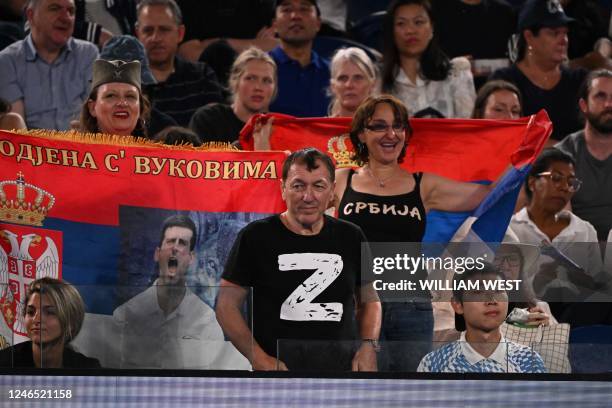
point(195, 72)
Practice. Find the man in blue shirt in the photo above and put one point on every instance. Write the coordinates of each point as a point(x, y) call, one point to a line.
point(46, 76)
point(481, 348)
point(303, 76)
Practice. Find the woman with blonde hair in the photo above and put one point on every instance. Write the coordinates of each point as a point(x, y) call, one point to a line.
point(252, 83)
point(53, 314)
point(353, 78)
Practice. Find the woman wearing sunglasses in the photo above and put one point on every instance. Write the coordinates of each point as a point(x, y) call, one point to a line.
point(546, 222)
point(390, 205)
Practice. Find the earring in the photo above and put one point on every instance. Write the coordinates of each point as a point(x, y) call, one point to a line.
point(360, 148)
point(529, 50)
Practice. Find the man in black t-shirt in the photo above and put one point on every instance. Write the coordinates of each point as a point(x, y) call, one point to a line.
point(304, 268)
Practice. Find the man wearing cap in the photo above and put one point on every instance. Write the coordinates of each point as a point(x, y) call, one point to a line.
point(46, 76)
point(539, 73)
point(303, 76)
point(182, 86)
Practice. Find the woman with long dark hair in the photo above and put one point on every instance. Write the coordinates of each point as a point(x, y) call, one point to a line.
point(416, 70)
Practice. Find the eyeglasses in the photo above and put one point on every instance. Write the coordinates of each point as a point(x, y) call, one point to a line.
point(384, 128)
point(573, 183)
point(512, 260)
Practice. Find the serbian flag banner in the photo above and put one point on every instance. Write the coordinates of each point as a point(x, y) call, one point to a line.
point(89, 208)
point(460, 149)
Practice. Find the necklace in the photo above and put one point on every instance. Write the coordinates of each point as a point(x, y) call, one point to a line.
point(381, 182)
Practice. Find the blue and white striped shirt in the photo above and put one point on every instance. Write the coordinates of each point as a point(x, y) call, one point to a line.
point(460, 357)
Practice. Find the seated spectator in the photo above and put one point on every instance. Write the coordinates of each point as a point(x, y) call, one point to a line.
point(353, 78)
point(116, 105)
point(128, 48)
point(303, 76)
point(54, 313)
point(498, 100)
point(417, 71)
point(514, 262)
point(550, 185)
point(539, 72)
point(177, 135)
point(252, 85)
point(481, 347)
point(9, 120)
point(182, 87)
point(479, 29)
point(46, 76)
point(591, 149)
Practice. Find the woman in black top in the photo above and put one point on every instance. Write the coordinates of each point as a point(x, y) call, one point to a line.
point(390, 205)
point(54, 313)
point(539, 73)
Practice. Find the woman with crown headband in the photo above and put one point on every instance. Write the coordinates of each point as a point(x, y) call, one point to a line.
point(53, 315)
point(380, 132)
point(116, 105)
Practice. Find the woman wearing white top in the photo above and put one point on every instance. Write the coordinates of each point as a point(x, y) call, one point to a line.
point(550, 186)
point(417, 71)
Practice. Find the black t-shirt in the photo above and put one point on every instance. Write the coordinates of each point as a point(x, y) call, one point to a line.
point(397, 218)
point(384, 219)
point(216, 122)
point(303, 289)
point(225, 18)
point(20, 355)
point(561, 102)
point(480, 30)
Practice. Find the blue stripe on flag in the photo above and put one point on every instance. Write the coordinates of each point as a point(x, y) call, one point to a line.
point(494, 213)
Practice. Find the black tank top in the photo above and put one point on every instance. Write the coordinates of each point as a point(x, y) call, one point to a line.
point(397, 218)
